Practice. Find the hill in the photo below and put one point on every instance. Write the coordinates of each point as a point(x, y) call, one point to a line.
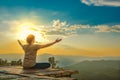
point(97, 70)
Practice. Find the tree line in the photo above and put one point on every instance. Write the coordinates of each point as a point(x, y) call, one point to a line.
point(11, 63)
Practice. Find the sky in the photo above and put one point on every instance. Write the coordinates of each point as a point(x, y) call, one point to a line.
point(87, 27)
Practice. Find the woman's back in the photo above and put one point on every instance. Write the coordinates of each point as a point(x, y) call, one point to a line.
point(30, 55)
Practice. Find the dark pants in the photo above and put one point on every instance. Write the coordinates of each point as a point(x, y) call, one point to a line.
point(41, 66)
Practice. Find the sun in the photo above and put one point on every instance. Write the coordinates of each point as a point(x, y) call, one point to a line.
point(29, 28)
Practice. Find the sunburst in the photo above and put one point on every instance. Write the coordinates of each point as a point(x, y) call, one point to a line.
point(29, 28)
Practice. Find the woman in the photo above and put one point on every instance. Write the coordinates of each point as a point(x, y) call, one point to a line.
point(30, 50)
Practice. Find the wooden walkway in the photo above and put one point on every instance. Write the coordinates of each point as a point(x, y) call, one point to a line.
point(36, 74)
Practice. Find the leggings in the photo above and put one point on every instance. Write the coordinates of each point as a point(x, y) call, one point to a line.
point(41, 66)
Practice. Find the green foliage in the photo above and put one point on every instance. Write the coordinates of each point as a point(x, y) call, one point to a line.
point(52, 61)
point(19, 62)
point(12, 63)
point(3, 62)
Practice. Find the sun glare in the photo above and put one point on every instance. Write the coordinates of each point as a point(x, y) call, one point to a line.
point(28, 28)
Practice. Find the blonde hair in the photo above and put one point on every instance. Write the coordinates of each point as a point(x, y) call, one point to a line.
point(30, 38)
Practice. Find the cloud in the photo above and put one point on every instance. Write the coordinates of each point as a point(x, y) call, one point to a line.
point(10, 24)
point(106, 28)
point(102, 28)
point(102, 2)
point(80, 26)
point(58, 24)
point(12, 18)
point(64, 29)
point(61, 28)
point(115, 28)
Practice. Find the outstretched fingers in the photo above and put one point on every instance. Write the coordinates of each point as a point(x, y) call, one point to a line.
point(58, 40)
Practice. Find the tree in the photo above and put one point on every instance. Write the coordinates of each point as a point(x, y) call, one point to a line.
point(52, 62)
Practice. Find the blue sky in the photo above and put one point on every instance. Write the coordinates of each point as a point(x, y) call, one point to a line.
point(89, 24)
point(74, 10)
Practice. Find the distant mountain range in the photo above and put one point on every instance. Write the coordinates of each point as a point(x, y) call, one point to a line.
point(90, 68)
point(62, 60)
point(97, 70)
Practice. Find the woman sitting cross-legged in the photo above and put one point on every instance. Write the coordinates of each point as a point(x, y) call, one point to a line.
point(30, 50)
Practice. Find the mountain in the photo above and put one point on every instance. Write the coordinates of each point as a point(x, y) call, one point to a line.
point(61, 59)
point(97, 70)
point(70, 60)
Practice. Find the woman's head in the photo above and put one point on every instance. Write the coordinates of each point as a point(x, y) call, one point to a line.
point(30, 39)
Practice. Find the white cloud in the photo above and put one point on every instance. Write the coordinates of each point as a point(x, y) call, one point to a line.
point(115, 28)
point(57, 28)
point(80, 26)
point(58, 24)
point(62, 28)
point(102, 2)
point(107, 28)
point(102, 28)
